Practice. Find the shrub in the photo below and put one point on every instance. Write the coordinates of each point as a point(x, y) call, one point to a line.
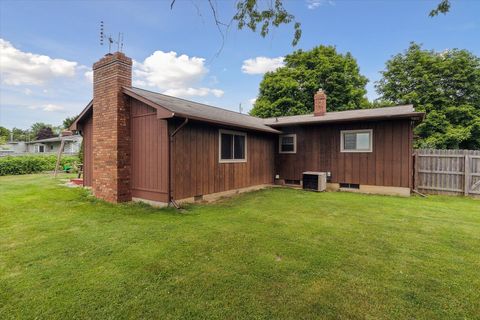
point(32, 164)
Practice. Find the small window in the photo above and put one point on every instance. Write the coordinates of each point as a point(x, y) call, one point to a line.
point(287, 143)
point(356, 141)
point(233, 146)
point(51, 147)
point(41, 148)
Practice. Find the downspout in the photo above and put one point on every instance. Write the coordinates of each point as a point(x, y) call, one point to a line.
point(170, 198)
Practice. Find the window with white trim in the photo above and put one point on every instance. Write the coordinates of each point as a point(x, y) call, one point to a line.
point(356, 140)
point(287, 143)
point(232, 146)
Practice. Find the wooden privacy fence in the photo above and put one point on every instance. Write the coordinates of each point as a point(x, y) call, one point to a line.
point(447, 171)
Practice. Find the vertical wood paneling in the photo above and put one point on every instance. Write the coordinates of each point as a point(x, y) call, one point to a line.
point(197, 171)
point(87, 131)
point(149, 175)
point(318, 149)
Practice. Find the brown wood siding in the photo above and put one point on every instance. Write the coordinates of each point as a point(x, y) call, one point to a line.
point(149, 176)
point(195, 163)
point(87, 131)
point(318, 149)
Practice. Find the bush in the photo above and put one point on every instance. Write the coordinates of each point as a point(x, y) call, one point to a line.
point(32, 164)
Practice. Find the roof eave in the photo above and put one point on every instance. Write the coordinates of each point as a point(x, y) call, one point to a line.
point(416, 116)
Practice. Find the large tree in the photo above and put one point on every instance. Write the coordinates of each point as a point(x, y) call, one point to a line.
point(289, 90)
point(446, 85)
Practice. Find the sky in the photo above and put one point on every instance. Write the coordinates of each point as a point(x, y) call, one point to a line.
point(47, 48)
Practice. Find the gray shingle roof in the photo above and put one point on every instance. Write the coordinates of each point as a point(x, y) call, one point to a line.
point(199, 111)
point(57, 139)
point(202, 112)
point(397, 112)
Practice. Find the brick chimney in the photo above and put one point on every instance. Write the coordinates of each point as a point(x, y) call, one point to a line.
point(319, 103)
point(111, 134)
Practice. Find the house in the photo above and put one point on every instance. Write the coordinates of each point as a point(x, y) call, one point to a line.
point(142, 145)
point(52, 145)
point(73, 143)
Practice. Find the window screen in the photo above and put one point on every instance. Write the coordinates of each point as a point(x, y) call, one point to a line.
point(287, 143)
point(357, 141)
point(232, 146)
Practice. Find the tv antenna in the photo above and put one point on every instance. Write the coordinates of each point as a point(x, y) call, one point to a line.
point(104, 38)
point(240, 109)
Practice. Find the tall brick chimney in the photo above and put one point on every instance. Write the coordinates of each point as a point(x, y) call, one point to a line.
point(111, 134)
point(319, 103)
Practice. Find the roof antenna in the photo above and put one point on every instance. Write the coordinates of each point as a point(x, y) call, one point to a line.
point(109, 39)
point(240, 109)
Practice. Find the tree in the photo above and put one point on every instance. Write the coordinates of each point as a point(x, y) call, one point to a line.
point(445, 85)
point(289, 90)
point(4, 132)
point(68, 122)
point(271, 13)
point(45, 133)
point(21, 135)
point(37, 126)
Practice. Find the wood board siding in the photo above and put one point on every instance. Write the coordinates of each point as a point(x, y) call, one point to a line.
point(87, 131)
point(195, 162)
point(318, 149)
point(149, 176)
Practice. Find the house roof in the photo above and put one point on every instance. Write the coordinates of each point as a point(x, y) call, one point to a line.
point(168, 107)
point(199, 111)
point(56, 139)
point(397, 112)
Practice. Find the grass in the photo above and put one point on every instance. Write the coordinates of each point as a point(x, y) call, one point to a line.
point(277, 253)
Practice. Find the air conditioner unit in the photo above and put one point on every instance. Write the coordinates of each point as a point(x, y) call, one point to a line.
point(316, 181)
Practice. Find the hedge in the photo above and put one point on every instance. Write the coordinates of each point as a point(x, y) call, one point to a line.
point(31, 164)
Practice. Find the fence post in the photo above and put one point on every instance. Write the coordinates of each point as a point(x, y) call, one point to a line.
point(415, 171)
point(467, 175)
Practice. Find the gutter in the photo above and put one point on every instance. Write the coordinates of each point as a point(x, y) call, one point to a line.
point(172, 135)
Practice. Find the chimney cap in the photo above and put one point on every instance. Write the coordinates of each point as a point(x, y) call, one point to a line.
point(320, 90)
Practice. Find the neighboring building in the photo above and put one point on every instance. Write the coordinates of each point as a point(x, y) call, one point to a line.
point(145, 145)
point(52, 145)
point(13, 147)
point(72, 145)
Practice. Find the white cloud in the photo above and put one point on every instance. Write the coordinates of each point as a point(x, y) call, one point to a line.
point(25, 68)
point(173, 74)
point(314, 4)
point(27, 91)
point(252, 101)
point(260, 65)
point(52, 107)
point(89, 75)
point(47, 107)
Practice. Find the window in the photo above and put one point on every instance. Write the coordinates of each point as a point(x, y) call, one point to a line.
point(356, 141)
point(38, 148)
point(287, 143)
point(233, 146)
point(51, 147)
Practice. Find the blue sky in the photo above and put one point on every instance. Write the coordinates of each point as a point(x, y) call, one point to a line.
point(48, 47)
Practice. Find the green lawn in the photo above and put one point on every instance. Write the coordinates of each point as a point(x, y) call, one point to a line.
point(276, 253)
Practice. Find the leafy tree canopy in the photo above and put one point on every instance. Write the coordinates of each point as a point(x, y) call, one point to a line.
point(68, 121)
point(446, 85)
point(289, 90)
point(45, 133)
